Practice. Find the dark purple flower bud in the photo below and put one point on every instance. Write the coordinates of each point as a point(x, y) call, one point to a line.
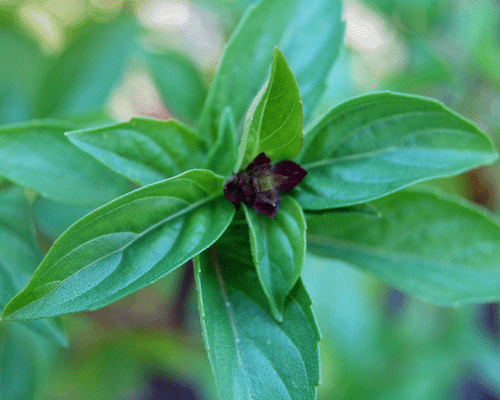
point(232, 191)
point(267, 203)
point(287, 175)
point(260, 184)
point(260, 161)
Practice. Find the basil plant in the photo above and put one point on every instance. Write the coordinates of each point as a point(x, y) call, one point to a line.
point(242, 188)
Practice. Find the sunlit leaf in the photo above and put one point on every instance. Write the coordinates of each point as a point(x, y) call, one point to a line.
point(310, 35)
point(252, 355)
point(274, 121)
point(375, 144)
point(126, 245)
point(143, 150)
point(278, 249)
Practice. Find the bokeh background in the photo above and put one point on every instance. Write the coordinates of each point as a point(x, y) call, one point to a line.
point(378, 343)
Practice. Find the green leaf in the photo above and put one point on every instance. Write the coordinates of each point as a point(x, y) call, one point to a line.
point(126, 245)
point(81, 79)
point(435, 247)
point(53, 218)
point(278, 250)
point(27, 361)
point(14, 105)
point(364, 209)
point(252, 355)
point(309, 33)
point(180, 83)
point(376, 144)
point(143, 150)
point(274, 121)
point(38, 156)
point(19, 256)
point(222, 156)
point(21, 70)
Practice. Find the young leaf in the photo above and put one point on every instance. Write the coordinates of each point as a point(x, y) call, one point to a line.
point(38, 156)
point(143, 150)
point(81, 80)
point(19, 256)
point(376, 144)
point(222, 156)
point(274, 121)
point(180, 84)
point(126, 245)
point(252, 355)
point(309, 33)
point(278, 250)
point(435, 247)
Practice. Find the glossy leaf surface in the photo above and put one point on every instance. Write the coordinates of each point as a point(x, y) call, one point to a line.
point(435, 247)
point(252, 355)
point(222, 156)
point(274, 121)
point(310, 35)
point(82, 78)
point(126, 245)
point(38, 156)
point(180, 84)
point(373, 145)
point(278, 249)
point(143, 150)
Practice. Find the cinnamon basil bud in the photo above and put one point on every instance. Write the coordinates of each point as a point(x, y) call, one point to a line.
point(260, 185)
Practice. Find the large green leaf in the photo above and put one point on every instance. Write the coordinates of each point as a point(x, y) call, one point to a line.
point(440, 249)
point(38, 156)
point(82, 78)
point(180, 84)
point(143, 150)
point(310, 34)
point(222, 156)
point(373, 145)
point(19, 256)
point(278, 250)
point(274, 121)
point(252, 355)
point(126, 245)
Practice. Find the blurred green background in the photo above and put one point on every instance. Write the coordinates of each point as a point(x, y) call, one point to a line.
point(377, 342)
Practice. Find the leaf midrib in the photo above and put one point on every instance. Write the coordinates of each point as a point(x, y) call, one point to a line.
point(139, 235)
point(355, 131)
point(389, 149)
point(321, 240)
